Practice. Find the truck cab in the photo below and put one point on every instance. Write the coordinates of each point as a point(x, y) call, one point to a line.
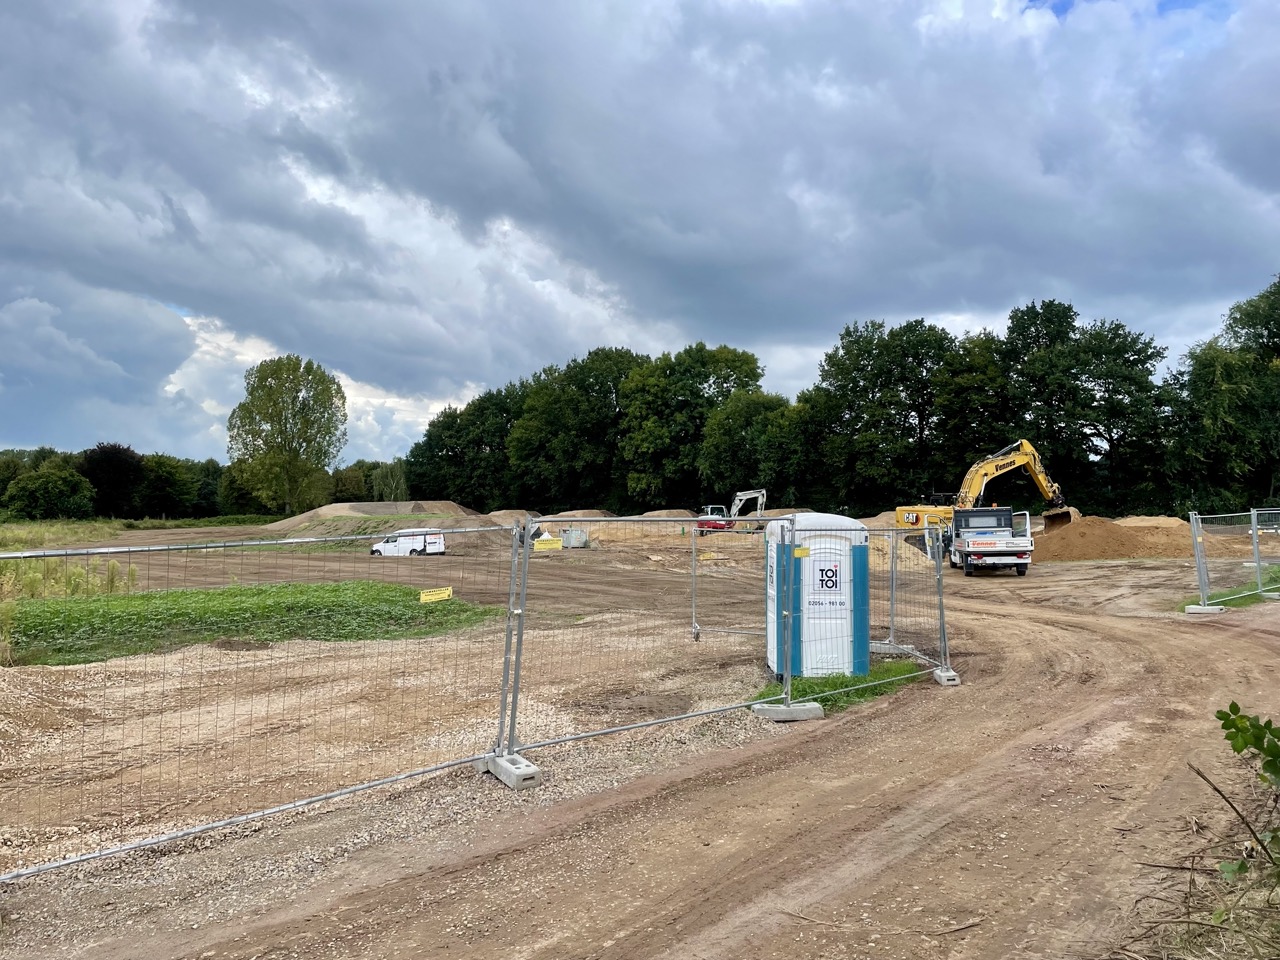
point(986, 538)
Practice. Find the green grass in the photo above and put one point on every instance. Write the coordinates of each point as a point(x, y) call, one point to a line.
point(89, 629)
point(824, 689)
point(41, 534)
point(233, 520)
point(1270, 584)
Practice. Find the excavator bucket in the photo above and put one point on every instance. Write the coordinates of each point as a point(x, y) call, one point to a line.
point(1059, 517)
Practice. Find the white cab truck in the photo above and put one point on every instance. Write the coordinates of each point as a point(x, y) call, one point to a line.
point(415, 542)
point(989, 538)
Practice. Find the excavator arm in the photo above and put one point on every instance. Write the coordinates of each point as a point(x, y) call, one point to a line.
point(743, 498)
point(1020, 454)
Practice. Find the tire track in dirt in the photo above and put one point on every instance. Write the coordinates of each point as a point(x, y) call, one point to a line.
point(721, 862)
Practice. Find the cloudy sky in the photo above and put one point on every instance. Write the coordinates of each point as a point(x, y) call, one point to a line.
point(433, 197)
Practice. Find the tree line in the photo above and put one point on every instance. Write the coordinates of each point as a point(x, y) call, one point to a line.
point(897, 413)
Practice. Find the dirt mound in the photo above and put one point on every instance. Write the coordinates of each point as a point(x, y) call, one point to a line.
point(386, 508)
point(505, 518)
point(785, 511)
point(1173, 522)
point(881, 521)
point(581, 515)
point(1096, 538)
point(672, 514)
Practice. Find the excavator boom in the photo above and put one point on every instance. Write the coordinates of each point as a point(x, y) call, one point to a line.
point(973, 487)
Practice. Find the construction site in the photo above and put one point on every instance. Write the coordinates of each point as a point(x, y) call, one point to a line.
point(1004, 816)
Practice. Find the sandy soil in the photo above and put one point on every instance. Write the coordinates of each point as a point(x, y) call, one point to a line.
point(1005, 817)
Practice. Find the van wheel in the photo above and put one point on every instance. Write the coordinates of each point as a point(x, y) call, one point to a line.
point(376, 553)
point(1022, 569)
point(413, 553)
point(968, 569)
point(951, 559)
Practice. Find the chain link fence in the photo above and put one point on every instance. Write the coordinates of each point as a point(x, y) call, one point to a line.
point(156, 691)
point(1221, 580)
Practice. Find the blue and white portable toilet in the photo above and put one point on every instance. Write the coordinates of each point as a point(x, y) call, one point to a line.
point(823, 576)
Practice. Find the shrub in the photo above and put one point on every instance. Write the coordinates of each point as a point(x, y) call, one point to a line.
point(53, 494)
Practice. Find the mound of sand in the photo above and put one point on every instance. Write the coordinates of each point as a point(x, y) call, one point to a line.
point(785, 511)
point(1096, 538)
point(1174, 522)
point(387, 508)
point(881, 521)
point(580, 515)
point(505, 518)
point(670, 514)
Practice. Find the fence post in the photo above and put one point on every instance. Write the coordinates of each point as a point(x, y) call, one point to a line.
point(893, 586)
point(788, 539)
point(508, 766)
point(1202, 569)
point(693, 580)
point(499, 746)
point(944, 674)
point(1257, 552)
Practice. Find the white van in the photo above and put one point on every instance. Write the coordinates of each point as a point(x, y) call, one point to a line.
point(410, 543)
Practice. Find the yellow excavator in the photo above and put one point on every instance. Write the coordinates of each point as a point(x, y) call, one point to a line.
point(941, 510)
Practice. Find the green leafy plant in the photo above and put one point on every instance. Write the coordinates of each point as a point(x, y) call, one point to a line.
point(1253, 738)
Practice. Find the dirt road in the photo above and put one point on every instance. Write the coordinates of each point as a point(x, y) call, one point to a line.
point(1005, 817)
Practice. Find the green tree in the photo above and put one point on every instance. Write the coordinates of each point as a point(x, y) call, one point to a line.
point(12, 466)
point(288, 430)
point(563, 449)
point(1123, 421)
point(167, 489)
point(50, 494)
point(436, 466)
point(349, 485)
point(463, 456)
point(1253, 328)
point(389, 484)
point(235, 497)
point(791, 466)
point(665, 405)
point(206, 476)
point(975, 409)
point(876, 400)
point(42, 456)
point(1046, 364)
point(116, 472)
point(1254, 324)
point(735, 440)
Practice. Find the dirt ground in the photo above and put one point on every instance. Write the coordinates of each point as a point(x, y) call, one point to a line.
point(1009, 816)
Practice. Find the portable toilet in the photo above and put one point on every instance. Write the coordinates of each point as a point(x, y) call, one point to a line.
point(820, 573)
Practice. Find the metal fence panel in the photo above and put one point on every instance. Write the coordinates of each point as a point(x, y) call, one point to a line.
point(608, 642)
point(1221, 541)
point(607, 636)
point(227, 704)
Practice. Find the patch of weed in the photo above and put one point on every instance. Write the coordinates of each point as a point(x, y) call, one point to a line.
point(838, 691)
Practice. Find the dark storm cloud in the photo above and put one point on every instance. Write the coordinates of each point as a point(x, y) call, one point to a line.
point(432, 197)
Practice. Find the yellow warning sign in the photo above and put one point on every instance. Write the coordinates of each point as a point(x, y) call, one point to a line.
point(435, 594)
point(549, 543)
point(800, 552)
